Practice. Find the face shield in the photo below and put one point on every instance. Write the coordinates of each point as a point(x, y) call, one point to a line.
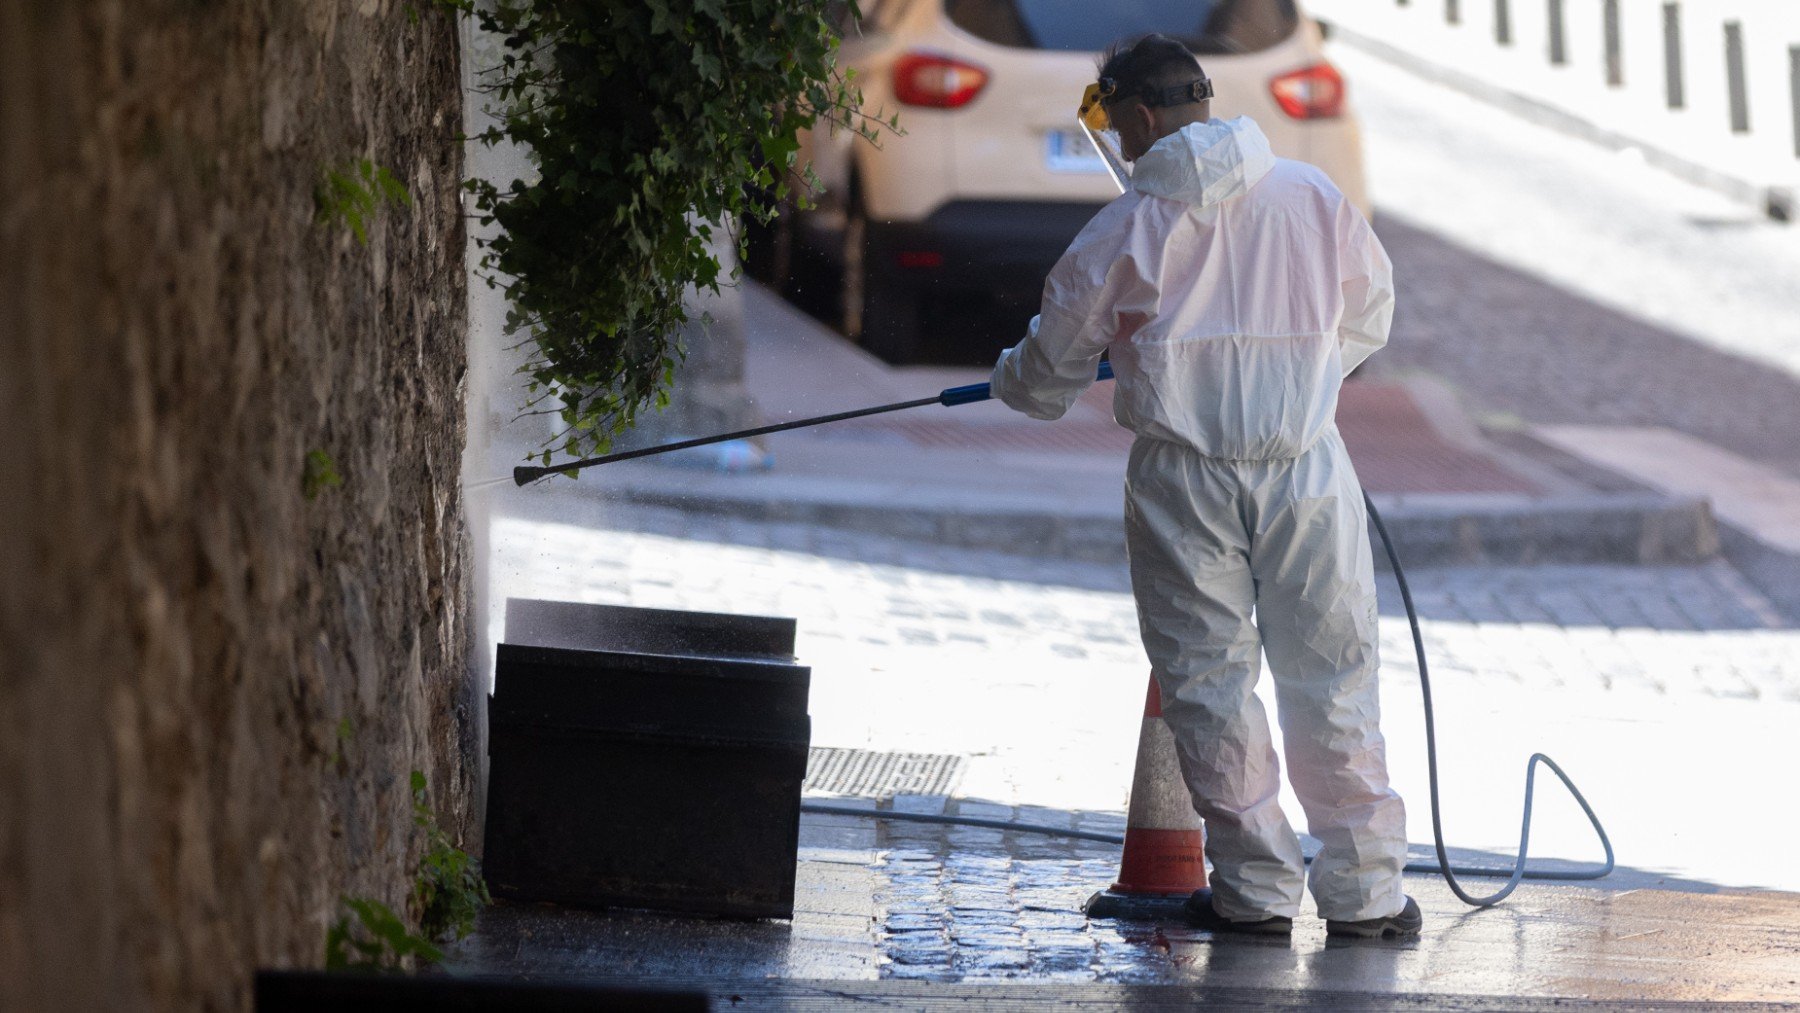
point(1094, 123)
point(1091, 114)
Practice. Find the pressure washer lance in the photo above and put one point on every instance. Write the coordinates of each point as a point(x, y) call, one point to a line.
point(972, 393)
point(949, 397)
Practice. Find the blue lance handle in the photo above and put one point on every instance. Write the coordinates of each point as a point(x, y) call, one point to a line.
point(949, 397)
point(952, 396)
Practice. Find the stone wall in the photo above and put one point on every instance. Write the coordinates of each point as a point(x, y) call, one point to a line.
point(213, 689)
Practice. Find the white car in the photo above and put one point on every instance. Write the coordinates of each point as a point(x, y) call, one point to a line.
point(993, 177)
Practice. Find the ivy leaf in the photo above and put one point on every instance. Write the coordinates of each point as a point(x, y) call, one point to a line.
point(779, 148)
point(708, 65)
point(662, 20)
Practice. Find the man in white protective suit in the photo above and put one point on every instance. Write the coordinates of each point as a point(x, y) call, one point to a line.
point(1234, 290)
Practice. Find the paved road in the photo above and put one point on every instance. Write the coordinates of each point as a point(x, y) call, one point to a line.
point(1666, 691)
point(1555, 281)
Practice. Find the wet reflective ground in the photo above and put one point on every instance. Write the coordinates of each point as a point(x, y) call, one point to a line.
point(937, 904)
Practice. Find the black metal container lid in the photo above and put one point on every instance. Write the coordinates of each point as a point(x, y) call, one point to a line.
point(644, 630)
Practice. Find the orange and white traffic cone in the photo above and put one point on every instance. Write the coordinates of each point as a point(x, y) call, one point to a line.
point(1163, 862)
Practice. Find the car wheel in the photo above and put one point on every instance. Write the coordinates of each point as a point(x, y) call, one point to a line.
point(879, 312)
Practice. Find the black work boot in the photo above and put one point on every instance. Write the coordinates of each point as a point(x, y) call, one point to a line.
point(1200, 914)
point(1404, 925)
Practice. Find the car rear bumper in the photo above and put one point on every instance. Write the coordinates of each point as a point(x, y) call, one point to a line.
point(967, 243)
point(971, 243)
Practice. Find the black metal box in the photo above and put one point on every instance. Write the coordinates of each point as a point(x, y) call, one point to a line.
point(624, 777)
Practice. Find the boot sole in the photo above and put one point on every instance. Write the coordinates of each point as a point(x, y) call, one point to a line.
point(1405, 925)
point(1270, 932)
point(1213, 923)
point(1202, 916)
point(1389, 931)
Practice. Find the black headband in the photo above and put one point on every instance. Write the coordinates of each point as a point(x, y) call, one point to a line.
point(1194, 91)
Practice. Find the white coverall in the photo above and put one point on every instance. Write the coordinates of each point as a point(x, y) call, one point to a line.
point(1234, 290)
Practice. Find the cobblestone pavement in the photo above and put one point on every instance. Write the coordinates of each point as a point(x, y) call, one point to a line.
point(1667, 692)
point(1668, 630)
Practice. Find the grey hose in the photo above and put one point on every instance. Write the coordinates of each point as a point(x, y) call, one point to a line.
point(1448, 871)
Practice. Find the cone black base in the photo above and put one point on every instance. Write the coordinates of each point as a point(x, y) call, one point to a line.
point(1136, 907)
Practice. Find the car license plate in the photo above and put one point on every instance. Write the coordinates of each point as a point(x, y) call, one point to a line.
point(1069, 151)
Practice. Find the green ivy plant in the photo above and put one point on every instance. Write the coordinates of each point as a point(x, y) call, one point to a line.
point(448, 891)
point(318, 474)
point(353, 194)
point(377, 940)
point(652, 124)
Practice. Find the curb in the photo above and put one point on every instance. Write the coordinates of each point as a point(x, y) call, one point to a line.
point(1773, 570)
point(1770, 562)
point(1776, 202)
point(1440, 530)
point(1600, 528)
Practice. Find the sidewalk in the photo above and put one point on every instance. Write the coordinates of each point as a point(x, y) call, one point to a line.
point(982, 476)
point(1656, 687)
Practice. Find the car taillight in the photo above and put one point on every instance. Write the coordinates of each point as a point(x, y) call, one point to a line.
point(921, 258)
point(926, 79)
point(1311, 93)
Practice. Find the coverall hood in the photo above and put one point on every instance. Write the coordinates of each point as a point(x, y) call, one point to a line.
point(1233, 290)
point(1205, 163)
